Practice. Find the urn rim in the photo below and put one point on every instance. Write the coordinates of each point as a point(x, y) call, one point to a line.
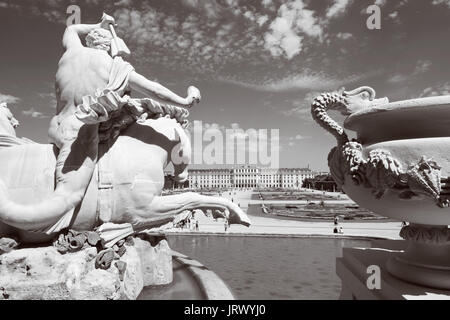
point(428, 103)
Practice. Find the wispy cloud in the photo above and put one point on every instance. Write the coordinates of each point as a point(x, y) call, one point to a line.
point(32, 112)
point(439, 2)
point(301, 108)
point(307, 80)
point(8, 98)
point(437, 90)
point(398, 78)
point(344, 35)
point(49, 99)
point(338, 8)
point(422, 66)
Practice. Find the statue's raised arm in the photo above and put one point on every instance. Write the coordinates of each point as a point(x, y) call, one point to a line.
point(73, 33)
point(151, 88)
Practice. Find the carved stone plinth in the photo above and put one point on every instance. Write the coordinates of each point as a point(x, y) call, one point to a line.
point(44, 273)
point(426, 259)
point(354, 270)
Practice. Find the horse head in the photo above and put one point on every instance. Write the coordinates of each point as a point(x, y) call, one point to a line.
point(8, 123)
point(178, 147)
point(181, 155)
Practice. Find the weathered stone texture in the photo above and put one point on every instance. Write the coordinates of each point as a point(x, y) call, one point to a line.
point(44, 273)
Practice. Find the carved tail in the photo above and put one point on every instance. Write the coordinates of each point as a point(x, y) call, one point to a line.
point(319, 113)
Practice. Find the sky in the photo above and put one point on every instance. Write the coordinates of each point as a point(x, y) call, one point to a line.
point(258, 64)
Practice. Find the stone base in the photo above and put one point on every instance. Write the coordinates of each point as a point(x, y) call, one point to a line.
point(352, 268)
point(156, 260)
point(426, 259)
point(44, 273)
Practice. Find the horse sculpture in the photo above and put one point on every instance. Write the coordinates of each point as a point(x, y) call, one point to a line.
point(133, 164)
point(108, 152)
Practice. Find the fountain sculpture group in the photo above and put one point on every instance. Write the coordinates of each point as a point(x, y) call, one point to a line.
point(98, 184)
point(100, 180)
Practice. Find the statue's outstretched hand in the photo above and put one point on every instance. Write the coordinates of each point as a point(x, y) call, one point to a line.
point(106, 21)
point(193, 95)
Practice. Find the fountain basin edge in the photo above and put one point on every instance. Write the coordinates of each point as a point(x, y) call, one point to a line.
point(212, 286)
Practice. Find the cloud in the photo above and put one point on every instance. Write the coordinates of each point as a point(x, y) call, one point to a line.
point(49, 99)
point(380, 3)
point(210, 8)
point(439, 2)
point(301, 112)
point(421, 66)
point(267, 3)
point(338, 8)
point(292, 140)
point(344, 35)
point(438, 90)
point(125, 3)
point(282, 39)
point(8, 98)
point(34, 114)
point(53, 11)
point(398, 78)
point(188, 42)
point(298, 137)
point(302, 107)
point(307, 80)
point(393, 15)
point(205, 38)
point(287, 30)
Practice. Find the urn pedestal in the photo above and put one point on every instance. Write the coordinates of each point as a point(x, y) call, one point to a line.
point(426, 258)
point(355, 269)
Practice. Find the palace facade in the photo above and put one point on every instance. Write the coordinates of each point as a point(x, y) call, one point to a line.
point(249, 177)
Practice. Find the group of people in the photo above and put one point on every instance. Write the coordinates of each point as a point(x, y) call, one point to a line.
point(337, 228)
point(190, 223)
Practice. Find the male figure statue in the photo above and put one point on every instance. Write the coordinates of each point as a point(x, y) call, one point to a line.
point(87, 71)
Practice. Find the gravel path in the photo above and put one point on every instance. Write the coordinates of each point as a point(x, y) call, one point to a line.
point(272, 226)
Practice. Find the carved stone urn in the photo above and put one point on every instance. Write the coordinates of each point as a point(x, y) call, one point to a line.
point(398, 167)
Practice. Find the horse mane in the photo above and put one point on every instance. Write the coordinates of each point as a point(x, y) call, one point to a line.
point(122, 119)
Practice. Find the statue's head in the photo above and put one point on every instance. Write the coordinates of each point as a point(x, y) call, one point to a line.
point(99, 39)
point(8, 123)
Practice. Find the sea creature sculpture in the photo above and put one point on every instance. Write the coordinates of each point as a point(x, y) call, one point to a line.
point(134, 171)
point(108, 153)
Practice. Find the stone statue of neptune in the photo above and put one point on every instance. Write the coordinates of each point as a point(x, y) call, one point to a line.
point(108, 149)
